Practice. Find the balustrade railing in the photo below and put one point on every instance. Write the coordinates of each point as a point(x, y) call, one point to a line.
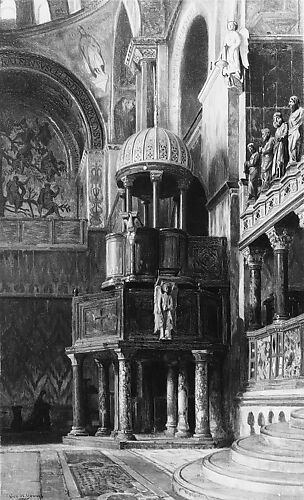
point(277, 351)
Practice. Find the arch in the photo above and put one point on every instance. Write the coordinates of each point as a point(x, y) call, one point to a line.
point(194, 71)
point(42, 12)
point(10, 59)
point(190, 10)
point(123, 81)
point(8, 10)
point(133, 11)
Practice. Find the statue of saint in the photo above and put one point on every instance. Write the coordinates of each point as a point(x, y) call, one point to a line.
point(252, 169)
point(280, 149)
point(235, 52)
point(165, 302)
point(295, 132)
point(266, 151)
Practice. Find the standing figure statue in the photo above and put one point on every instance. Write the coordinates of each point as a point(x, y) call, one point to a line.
point(235, 52)
point(280, 149)
point(165, 302)
point(295, 132)
point(266, 158)
point(252, 169)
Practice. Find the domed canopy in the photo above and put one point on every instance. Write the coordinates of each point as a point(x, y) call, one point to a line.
point(154, 148)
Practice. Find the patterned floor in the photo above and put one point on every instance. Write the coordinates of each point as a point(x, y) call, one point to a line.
point(98, 477)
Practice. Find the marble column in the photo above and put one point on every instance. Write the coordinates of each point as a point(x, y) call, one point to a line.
point(183, 186)
point(78, 428)
point(155, 177)
point(125, 431)
point(280, 240)
point(128, 184)
point(103, 398)
point(171, 399)
point(146, 204)
point(183, 430)
point(202, 426)
point(140, 394)
point(254, 260)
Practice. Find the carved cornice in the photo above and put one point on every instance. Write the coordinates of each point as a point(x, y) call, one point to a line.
point(11, 59)
point(279, 239)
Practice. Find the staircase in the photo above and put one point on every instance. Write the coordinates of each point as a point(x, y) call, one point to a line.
point(260, 467)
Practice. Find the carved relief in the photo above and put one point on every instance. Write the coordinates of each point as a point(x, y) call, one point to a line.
point(263, 358)
point(206, 258)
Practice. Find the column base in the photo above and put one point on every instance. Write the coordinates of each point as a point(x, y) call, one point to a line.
point(204, 436)
point(183, 434)
point(170, 431)
point(102, 431)
point(125, 436)
point(78, 431)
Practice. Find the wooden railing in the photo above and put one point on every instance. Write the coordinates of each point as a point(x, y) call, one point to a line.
point(277, 351)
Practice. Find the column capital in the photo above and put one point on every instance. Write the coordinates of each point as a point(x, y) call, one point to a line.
point(254, 256)
point(156, 175)
point(124, 354)
point(75, 360)
point(128, 181)
point(183, 183)
point(300, 213)
point(201, 356)
point(140, 50)
point(121, 193)
point(280, 239)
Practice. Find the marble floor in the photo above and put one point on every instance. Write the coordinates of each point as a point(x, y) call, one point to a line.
point(61, 472)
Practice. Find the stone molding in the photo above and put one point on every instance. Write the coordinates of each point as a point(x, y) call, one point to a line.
point(140, 49)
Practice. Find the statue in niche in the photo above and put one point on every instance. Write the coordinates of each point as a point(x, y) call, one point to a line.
point(94, 62)
point(266, 151)
point(235, 54)
point(165, 303)
point(280, 149)
point(124, 118)
point(252, 169)
point(295, 132)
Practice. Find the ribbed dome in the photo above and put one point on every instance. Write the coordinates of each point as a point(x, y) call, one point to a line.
point(154, 146)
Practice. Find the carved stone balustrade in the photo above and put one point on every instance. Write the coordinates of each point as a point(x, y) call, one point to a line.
point(277, 351)
point(284, 196)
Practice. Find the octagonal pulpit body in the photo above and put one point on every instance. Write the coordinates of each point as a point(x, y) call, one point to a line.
point(172, 251)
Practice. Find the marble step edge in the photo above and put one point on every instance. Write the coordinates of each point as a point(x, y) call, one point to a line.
point(283, 431)
point(195, 487)
point(297, 419)
point(266, 462)
point(259, 447)
point(243, 477)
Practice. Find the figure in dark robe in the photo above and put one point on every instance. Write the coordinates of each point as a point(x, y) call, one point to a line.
point(280, 149)
point(266, 151)
point(252, 169)
point(46, 201)
point(15, 192)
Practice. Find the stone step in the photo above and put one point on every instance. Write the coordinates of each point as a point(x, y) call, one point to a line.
point(255, 453)
point(189, 483)
point(297, 419)
point(282, 435)
point(219, 468)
